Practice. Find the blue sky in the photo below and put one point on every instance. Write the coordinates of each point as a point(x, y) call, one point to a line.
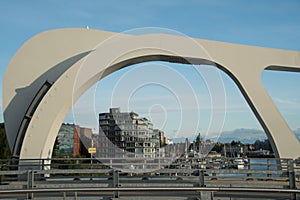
point(267, 23)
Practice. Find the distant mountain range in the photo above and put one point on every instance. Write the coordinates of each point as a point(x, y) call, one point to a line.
point(243, 135)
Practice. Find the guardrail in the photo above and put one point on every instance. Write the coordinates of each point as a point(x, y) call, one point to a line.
point(78, 175)
point(116, 191)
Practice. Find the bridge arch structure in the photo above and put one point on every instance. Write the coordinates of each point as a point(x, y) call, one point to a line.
point(42, 80)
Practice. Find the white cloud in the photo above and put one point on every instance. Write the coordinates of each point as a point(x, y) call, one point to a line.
point(288, 103)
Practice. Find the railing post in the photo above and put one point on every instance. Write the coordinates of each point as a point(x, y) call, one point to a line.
point(249, 175)
point(43, 164)
point(214, 176)
point(201, 178)
point(268, 168)
point(292, 180)
point(30, 183)
point(116, 183)
point(291, 171)
point(204, 194)
point(75, 195)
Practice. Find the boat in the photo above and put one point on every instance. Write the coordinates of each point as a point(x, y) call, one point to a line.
point(238, 163)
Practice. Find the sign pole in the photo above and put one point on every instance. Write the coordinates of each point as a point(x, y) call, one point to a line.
point(91, 151)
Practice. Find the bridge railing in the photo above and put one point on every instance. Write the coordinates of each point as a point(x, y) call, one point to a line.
point(181, 163)
point(184, 173)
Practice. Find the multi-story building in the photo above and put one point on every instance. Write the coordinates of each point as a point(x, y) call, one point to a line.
point(121, 132)
point(71, 139)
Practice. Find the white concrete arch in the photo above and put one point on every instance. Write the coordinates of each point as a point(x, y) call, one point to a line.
point(74, 47)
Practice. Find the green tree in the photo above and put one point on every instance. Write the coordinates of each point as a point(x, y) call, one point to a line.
point(218, 147)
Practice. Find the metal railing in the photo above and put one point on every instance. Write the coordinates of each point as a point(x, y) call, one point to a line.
point(78, 175)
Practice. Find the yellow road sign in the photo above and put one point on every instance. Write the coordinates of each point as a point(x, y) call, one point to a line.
point(92, 150)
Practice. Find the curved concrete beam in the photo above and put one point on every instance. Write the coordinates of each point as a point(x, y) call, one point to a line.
point(244, 65)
